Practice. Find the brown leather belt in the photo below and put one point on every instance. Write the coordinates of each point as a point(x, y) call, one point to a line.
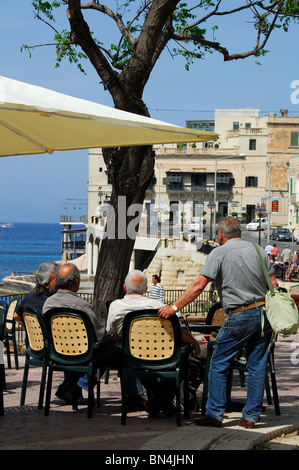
point(248, 307)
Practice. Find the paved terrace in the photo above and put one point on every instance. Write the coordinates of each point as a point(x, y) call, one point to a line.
point(26, 428)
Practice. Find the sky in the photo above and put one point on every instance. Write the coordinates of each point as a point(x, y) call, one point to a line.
point(32, 188)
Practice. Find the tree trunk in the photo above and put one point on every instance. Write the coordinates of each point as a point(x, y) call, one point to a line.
point(131, 170)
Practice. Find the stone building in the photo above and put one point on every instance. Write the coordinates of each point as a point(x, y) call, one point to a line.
point(248, 165)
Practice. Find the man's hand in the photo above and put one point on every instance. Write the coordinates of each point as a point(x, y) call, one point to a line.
point(166, 311)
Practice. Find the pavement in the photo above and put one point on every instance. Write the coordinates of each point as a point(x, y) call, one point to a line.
point(26, 427)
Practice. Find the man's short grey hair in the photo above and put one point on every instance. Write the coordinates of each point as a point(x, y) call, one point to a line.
point(136, 282)
point(68, 281)
point(43, 276)
point(230, 227)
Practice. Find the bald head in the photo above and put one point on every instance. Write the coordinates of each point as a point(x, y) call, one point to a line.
point(135, 282)
point(68, 277)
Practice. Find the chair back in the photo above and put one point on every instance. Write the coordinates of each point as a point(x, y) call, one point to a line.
point(216, 315)
point(151, 341)
point(36, 333)
point(71, 336)
point(9, 319)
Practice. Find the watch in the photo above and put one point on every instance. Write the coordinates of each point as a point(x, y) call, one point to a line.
point(174, 307)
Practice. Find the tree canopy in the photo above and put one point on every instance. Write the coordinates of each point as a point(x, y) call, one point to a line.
point(123, 45)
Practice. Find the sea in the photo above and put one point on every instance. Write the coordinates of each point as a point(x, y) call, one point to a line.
point(24, 246)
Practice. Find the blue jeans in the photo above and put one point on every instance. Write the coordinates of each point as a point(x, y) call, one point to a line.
point(239, 330)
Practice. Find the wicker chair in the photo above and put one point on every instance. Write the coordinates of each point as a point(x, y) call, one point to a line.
point(36, 350)
point(152, 347)
point(72, 345)
point(10, 333)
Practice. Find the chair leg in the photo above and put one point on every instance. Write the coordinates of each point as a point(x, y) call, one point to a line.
point(24, 383)
point(186, 394)
point(2, 380)
point(178, 401)
point(98, 386)
point(274, 384)
point(42, 388)
point(6, 342)
point(48, 393)
point(90, 396)
point(124, 398)
point(107, 373)
point(15, 348)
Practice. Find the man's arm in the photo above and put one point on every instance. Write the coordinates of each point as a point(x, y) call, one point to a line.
point(193, 291)
point(273, 280)
point(188, 338)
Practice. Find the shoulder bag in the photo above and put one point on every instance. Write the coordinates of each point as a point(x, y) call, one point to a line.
point(281, 309)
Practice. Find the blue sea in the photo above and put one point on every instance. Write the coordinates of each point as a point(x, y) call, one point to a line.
point(26, 245)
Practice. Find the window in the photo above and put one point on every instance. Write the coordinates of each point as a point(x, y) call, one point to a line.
point(252, 144)
point(247, 125)
point(235, 126)
point(294, 139)
point(251, 182)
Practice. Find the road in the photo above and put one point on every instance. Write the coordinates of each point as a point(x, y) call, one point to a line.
point(253, 236)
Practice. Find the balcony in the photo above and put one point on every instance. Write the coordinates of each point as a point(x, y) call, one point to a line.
point(222, 188)
point(74, 211)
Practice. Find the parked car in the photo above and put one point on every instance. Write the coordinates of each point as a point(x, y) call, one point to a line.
point(255, 224)
point(281, 234)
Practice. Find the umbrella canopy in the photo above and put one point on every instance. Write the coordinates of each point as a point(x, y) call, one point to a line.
point(36, 120)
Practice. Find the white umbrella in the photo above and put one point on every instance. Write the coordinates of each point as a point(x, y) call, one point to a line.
point(36, 120)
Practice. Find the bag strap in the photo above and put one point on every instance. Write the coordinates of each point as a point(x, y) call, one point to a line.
point(265, 270)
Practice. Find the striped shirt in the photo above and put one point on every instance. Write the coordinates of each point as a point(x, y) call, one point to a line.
point(157, 292)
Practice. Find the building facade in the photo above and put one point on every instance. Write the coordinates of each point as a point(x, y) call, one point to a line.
point(247, 165)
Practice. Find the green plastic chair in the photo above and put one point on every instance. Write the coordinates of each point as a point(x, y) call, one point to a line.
point(36, 350)
point(72, 345)
point(152, 347)
point(10, 332)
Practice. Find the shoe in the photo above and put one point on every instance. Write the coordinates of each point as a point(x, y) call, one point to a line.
point(246, 424)
point(206, 421)
point(152, 409)
point(169, 410)
point(136, 403)
point(64, 396)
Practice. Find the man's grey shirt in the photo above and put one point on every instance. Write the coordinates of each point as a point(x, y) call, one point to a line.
point(67, 299)
point(236, 269)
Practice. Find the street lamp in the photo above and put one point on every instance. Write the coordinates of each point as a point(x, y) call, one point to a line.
point(261, 212)
point(211, 206)
point(183, 201)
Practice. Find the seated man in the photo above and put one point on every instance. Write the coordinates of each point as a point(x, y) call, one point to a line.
point(160, 395)
point(68, 281)
point(45, 286)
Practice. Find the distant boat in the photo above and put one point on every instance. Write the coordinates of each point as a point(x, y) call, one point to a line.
point(6, 225)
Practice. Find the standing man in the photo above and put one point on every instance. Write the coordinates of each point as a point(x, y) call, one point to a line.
point(235, 268)
point(157, 290)
point(286, 255)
